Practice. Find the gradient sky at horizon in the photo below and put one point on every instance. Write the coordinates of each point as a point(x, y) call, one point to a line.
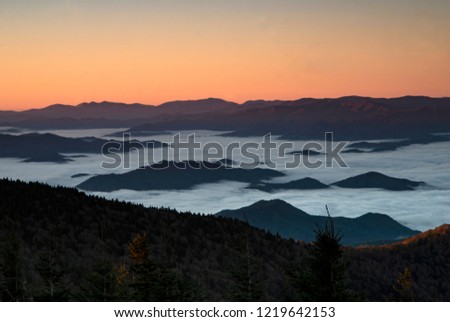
point(154, 51)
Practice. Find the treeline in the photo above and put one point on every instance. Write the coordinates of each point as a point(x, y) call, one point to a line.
point(58, 244)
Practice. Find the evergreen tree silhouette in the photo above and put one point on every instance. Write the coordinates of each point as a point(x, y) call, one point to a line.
point(324, 280)
point(327, 268)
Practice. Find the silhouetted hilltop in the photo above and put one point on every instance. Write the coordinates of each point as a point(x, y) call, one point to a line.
point(301, 184)
point(198, 106)
point(378, 180)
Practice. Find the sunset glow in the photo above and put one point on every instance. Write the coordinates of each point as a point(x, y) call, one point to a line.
point(155, 51)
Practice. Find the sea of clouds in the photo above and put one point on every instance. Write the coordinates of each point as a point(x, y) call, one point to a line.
point(421, 209)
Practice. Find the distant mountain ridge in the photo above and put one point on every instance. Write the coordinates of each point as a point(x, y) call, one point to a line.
point(300, 184)
point(171, 175)
point(47, 147)
point(351, 117)
point(119, 110)
point(278, 216)
point(366, 180)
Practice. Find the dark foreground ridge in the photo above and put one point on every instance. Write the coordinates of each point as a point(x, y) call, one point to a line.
point(90, 248)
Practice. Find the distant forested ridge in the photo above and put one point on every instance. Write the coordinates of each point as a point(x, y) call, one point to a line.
point(350, 118)
point(58, 244)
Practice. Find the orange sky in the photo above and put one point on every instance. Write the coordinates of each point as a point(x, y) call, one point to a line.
point(155, 51)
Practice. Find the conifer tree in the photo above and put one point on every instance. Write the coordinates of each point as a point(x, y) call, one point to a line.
point(324, 279)
point(327, 268)
point(54, 277)
point(247, 287)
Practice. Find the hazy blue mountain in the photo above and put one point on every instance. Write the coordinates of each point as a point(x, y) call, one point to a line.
point(279, 217)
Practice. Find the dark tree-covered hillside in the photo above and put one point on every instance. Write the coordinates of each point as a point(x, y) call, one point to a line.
point(58, 244)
